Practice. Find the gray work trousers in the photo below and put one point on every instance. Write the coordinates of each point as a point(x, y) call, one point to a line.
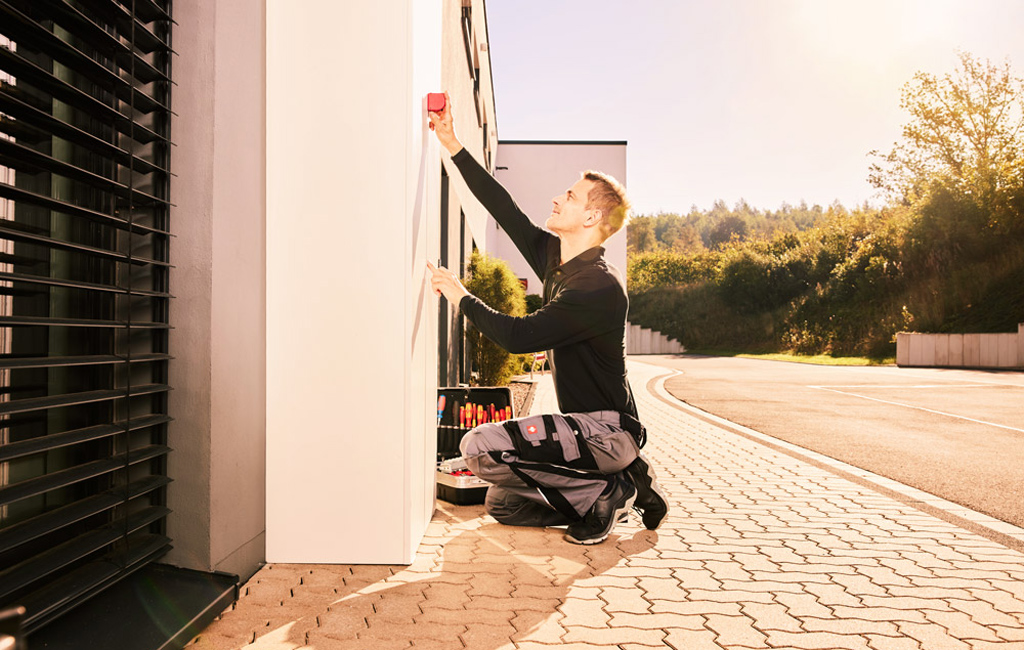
point(547, 470)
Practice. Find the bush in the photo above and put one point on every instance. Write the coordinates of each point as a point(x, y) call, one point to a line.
point(660, 269)
point(696, 316)
point(533, 302)
point(755, 282)
point(493, 282)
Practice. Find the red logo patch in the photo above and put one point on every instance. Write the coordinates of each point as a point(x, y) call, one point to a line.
point(531, 429)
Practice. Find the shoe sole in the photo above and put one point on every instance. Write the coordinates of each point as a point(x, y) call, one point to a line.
point(655, 487)
point(617, 516)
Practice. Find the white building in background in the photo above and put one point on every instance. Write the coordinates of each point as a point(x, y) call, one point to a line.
point(536, 171)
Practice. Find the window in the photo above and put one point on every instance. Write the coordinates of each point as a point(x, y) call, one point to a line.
point(460, 323)
point(84, 300)
point(469, 40)
point(443, 334)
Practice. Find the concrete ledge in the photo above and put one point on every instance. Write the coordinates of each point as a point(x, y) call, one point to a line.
point(1002, 350)
point(643, 340)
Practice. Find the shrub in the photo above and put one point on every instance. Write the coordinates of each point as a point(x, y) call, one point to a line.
point(534, 302)
point(696, 316)
point(663, 268)
point(493, 282)
point(754, 282)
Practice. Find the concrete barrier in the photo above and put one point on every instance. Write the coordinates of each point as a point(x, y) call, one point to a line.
point(643, 340)
point(1002, 350)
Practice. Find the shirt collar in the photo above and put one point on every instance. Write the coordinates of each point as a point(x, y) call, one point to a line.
point(584, 259)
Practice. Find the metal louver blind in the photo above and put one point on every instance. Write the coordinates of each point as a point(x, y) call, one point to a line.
point(84, 153)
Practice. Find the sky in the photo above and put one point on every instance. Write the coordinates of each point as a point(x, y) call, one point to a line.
point(768, 101)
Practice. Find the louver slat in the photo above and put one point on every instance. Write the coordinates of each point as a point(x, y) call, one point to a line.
point(85, 91)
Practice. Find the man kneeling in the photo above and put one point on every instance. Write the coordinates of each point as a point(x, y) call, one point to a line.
point(584, 469)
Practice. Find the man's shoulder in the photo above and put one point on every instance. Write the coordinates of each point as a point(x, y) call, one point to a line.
point(602, 273)
point(599, 278)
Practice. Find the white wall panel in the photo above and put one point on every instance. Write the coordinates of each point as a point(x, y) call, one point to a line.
point(351, 219)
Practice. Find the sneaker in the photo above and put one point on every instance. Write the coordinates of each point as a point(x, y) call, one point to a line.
point(651, 502)
point(597, 524)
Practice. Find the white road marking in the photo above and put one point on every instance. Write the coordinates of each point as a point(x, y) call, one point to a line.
point(910, 386)
point(930, 373)
point(920, 408)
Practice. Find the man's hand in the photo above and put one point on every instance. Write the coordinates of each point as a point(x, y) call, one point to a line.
point(443, 281)
point(441, 123)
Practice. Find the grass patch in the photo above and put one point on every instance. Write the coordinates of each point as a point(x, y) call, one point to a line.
point(816, 359)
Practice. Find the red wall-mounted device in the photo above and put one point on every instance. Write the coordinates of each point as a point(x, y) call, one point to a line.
point(435, 102)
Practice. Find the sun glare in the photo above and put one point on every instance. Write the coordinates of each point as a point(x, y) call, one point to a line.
point(880, 25)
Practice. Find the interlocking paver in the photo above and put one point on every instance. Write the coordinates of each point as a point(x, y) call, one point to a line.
point(540, 627)
point(833, 594)
point(584, 608)
point(879, 614)
point(486, 636)
point(771, 617)
point(815, 640)
point(695, 607)
point(766, 585)
point(850, 625)
point(1000, 599)
point(695, 579)
point(761, 550)
point(629, 600)
point(736, 596)
point(691, 640)
point(735, 631)
point(986, 645)
point(983, 612)
point(533, 645)
point(881, 642)
point(932, 636)
point(522, 604)
point(613, 635)
point(1015, 633)
point(906, 602)
point(960, 625)
point(658, 620)
point(861, 584)
point(656, 589)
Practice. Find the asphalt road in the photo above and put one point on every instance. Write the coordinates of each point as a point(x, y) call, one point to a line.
point(958, 434)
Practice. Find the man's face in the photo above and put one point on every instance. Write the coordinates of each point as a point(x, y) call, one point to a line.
point(569, 210)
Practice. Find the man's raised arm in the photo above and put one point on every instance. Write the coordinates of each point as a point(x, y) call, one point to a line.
point(533, 242)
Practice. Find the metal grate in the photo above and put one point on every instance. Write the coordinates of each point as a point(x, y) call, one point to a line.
point(84, 237)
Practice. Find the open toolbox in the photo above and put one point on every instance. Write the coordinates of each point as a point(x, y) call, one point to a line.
point(459, 410)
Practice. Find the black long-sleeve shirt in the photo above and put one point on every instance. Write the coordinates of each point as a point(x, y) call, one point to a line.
point(582, 324)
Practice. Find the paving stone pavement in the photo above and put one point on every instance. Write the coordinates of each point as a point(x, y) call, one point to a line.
point(761, 550)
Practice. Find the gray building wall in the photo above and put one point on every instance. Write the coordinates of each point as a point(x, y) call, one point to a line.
point(218, 341)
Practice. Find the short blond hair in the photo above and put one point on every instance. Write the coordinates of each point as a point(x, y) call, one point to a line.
point(609, 196)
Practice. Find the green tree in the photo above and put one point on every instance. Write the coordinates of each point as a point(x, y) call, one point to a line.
point(964, 135)
point(492, 281)
point(728, 228)
point(688, 241)
point(640, 237)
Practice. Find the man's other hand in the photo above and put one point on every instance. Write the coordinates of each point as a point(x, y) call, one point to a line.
point(443, 281)
point(442, 124)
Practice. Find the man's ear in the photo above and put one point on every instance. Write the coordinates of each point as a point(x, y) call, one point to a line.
point(592, 217)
